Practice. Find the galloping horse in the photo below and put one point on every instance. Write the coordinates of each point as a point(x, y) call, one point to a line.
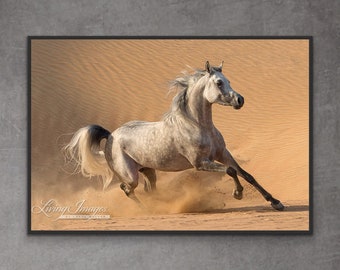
point(185, 138)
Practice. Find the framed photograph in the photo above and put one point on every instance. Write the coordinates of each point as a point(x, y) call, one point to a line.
point(170, 134)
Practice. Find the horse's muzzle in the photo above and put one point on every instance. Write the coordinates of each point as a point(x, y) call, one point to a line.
point(239, 101)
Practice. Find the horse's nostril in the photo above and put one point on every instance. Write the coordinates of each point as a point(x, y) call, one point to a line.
point(240, 101)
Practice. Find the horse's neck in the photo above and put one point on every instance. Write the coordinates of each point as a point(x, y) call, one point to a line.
point(199, 108)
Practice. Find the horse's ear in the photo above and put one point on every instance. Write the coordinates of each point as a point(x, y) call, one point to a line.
point(207, 67)
point(221, 66)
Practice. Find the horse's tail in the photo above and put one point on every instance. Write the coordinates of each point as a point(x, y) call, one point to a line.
point(84, 149)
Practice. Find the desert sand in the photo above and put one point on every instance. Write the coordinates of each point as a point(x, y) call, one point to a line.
point(109, 82)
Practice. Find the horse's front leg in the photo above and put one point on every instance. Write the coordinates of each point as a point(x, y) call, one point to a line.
point(238, 191)
point(208, 165)
point(234, 170)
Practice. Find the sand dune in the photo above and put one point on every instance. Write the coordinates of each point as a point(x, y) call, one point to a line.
point(110, 82)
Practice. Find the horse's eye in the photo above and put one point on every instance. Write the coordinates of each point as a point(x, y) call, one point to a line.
point(219, 84)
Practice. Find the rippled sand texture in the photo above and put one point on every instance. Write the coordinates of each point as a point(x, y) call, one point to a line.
point(110, 82)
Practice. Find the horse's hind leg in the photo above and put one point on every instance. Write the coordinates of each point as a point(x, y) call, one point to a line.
point(129, 191)
point(150, 181)
point(127, 170)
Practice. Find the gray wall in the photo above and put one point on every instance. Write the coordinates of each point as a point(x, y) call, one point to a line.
point(20, 18)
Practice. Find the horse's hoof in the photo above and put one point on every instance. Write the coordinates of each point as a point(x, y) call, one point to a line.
point(237, 194)
point(278, 206)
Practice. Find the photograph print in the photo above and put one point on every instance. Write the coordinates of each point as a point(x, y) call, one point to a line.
point(169, 134)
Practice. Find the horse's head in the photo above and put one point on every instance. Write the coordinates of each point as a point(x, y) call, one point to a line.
point(218, 89)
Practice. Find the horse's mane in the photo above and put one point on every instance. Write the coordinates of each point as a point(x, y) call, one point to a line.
point(179, 103)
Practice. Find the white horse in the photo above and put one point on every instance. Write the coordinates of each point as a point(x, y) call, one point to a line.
point(185, 138)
